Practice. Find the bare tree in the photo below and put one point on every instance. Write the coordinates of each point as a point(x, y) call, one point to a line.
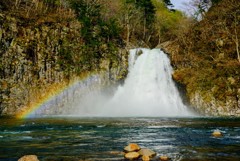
point(235, 36)
point(198, 8)
point(129, 17)
point(232, 23)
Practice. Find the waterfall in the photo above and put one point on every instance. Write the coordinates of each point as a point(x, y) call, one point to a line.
point(147, 91)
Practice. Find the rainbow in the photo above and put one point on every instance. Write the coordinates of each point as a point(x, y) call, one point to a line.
point(52, 93)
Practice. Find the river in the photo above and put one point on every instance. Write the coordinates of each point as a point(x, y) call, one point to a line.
point(73, 139)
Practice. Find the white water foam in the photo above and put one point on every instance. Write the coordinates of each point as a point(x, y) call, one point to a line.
point(148, 91)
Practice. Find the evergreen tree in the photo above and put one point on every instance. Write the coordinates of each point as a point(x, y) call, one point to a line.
point(215, 1)
point(168, 3)
point(89, 15)
point(97, 33)
point(148, 9)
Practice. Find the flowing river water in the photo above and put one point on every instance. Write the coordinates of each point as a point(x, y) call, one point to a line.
point(70, 139)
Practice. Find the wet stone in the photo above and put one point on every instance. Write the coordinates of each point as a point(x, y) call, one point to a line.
point(164, 158)
point(147, 152)
point(132, 147)
point(132, 155)
point(217, 133)
point(145, 158)
point(29, 158)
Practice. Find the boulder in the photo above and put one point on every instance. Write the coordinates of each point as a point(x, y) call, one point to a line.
point(217, 133)
point(132, 147)
point(145, 158)
point(147, 152)
point(139, 52)
point(132, 155)
point(164, 158)
point(28, 158)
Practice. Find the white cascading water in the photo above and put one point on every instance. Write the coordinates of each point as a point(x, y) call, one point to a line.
point(148, 91)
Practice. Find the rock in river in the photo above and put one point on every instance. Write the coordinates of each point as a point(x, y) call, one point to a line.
point(145, 158)
point(28, 158)
point(164, 158)
point(132, 147)
point(217, 133)
point(132, 155)
point(147, 152)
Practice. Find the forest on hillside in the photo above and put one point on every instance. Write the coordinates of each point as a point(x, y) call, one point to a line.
point(44, 42)
point(208, 61)
point(104, 26)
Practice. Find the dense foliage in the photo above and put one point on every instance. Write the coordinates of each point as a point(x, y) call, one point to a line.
point(208, 57)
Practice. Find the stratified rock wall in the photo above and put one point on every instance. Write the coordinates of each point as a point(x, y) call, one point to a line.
point(33, 59)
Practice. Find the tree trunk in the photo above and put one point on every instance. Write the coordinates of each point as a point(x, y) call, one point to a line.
point(159, 37)
point(128, 30)
point(236, 37)
point(144, 28)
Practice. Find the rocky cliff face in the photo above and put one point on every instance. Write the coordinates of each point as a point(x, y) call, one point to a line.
point(41, 55)
point(206, 61)
point(204, 100)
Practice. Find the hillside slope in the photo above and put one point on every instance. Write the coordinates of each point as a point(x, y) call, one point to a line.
point(207, 60)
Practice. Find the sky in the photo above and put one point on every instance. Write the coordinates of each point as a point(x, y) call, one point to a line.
point(178, 4)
